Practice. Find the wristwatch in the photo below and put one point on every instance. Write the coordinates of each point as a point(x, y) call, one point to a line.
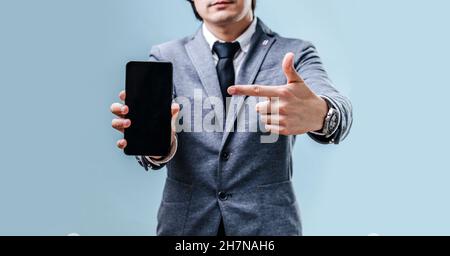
point(331, 122)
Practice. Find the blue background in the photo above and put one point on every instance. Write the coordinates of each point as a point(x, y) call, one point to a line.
point(62, 65)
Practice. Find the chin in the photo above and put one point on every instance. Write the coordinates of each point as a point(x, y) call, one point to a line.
point(223, 18)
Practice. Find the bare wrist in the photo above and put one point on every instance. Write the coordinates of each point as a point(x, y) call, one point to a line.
point(323, 114)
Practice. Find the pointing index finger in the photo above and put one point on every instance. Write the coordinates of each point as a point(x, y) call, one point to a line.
point(255, 90)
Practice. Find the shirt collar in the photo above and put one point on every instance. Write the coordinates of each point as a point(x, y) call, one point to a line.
point(244, 39)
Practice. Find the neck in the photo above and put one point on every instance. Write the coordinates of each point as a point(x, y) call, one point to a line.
point(231, 31)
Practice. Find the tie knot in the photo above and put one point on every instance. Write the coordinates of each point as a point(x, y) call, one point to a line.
point(226, 50)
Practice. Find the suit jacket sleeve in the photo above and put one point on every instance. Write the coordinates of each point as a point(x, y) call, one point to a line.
point(310, 67)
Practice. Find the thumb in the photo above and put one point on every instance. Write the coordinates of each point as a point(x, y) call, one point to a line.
point(175, 112)
point(288, 67)
point(175, 109)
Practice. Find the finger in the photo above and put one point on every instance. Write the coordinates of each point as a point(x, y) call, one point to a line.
point(119, 109)
point(277, 120)
point(269, 107)
point(276, 129)
point(291, 74)
point(121, 124)
point(255, 90)
point(121, 143)
point(263, 107)
point(122, 95)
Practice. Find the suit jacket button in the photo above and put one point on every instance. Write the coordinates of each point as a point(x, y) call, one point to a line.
point(225, 156)
point(223, 196)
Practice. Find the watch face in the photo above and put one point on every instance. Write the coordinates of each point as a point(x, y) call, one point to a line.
point(333, 121)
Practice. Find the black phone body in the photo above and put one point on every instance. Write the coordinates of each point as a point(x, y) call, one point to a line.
point(149, 87)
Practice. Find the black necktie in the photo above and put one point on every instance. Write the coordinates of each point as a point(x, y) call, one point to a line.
point(225, 68)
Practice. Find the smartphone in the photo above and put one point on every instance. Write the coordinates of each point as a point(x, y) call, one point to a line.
point(148, 88)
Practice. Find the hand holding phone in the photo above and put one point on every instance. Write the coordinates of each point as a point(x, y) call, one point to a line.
point(149, 128)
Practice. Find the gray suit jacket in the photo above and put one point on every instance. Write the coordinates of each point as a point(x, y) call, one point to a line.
point(231, 174)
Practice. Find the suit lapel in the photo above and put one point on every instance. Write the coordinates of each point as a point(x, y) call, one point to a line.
point(200, 54)
point(261, 42)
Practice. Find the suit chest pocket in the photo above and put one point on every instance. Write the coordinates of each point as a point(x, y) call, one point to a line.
point(272, 76)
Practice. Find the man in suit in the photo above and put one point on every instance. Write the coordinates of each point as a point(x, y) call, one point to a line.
point(224, 182)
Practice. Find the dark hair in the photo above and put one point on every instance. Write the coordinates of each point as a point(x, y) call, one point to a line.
point(200, 18)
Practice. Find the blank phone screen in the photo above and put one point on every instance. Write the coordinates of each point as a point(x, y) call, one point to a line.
point(149, 99)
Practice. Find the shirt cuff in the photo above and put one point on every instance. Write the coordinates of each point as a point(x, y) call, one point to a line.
point(173, 150)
